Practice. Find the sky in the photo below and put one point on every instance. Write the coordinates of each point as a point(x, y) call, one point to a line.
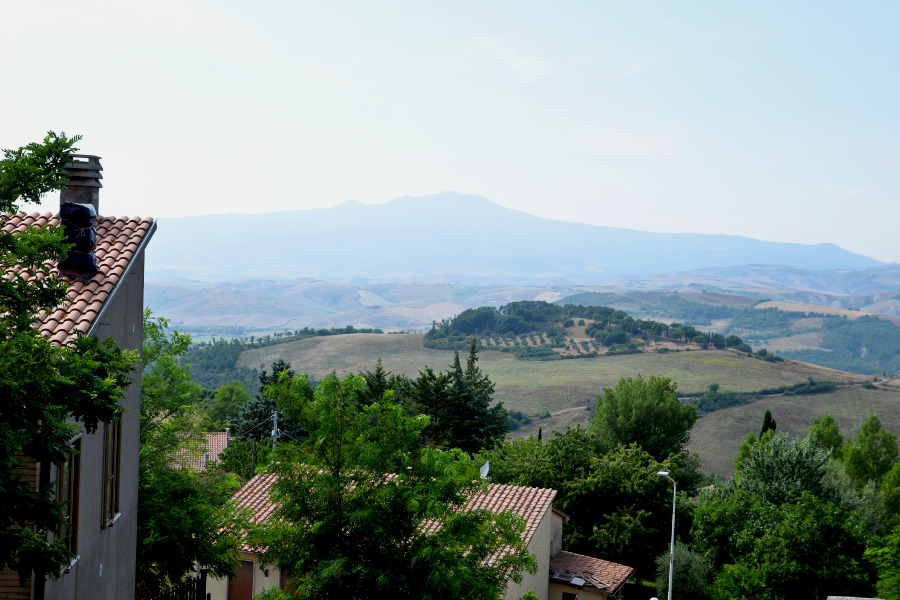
point(773, 120)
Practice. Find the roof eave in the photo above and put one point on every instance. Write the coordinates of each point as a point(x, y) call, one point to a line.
point(112, 293)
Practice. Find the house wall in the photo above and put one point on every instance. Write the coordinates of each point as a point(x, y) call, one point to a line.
point(10, 586)
point(541, 546)
point(557, 589)
point(105, 569)
point(218, 588)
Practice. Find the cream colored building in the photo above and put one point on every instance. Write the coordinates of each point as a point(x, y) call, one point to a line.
point(560, 575)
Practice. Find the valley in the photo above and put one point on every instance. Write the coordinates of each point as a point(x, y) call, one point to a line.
point(566, 389)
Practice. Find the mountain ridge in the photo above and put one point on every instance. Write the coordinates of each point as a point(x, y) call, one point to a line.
point(451, 237)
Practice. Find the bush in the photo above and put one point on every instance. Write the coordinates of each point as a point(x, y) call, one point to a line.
point(692, 574)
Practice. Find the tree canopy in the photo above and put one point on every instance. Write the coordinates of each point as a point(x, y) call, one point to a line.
point(644, 412)
point(357, 497)
point(183, 517)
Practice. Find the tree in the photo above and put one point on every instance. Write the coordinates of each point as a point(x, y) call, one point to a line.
point(48, 394)
point(225, 407)
point(778, 468)
point(885, 554)
point(617, 502)
point(692, 574)
point(358, 500)
point(872, 454)
point(459, 406)
point(768, 423)
point(790, 524)
point(183, 517)
point(645, 412)
point(806, 548)
point(827, 434)
point(256, 422)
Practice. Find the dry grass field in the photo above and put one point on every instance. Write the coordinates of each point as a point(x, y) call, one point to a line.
point(717, 436)
point(564, 388)
point(532, 386)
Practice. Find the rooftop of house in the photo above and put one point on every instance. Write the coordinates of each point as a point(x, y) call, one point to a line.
point(118, 241)
point(529, 503)
point(206, 453)
point(587, 572)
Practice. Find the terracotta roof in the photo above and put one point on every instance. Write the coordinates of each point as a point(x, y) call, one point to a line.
point(571, 569)
point(529, 503)
point(118, 240)
point(255, 496)
point(207, 454)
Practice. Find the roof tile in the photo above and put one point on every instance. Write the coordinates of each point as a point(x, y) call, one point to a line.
point(596, 572)
point(117, 241)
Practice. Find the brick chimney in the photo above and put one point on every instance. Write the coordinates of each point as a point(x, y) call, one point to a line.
point(84, 184)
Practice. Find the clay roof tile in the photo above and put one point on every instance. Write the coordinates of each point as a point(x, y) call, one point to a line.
point(117, 241)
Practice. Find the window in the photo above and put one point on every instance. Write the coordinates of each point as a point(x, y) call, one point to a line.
point(568, 596)
point(67, 492)
point(112, 449)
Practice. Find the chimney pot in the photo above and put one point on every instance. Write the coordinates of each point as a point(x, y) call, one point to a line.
point(83, 186)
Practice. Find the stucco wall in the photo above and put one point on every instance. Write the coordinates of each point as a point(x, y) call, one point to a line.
point(105, 569)
point(557, 589)
point(541, 545)
point(218, 588)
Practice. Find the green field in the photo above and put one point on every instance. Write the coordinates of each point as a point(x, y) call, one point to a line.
point(565, 387)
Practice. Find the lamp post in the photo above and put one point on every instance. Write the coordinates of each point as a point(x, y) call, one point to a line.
point(672, 546)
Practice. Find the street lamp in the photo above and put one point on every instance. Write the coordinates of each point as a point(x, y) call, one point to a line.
point(672, 547)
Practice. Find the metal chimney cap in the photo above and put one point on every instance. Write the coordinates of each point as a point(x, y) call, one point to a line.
point(90, 161)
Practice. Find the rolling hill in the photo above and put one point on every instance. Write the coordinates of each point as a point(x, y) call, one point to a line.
point(558, 393)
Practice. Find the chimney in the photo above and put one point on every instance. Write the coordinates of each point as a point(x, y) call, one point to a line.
point(84, 184)
point(79, 203)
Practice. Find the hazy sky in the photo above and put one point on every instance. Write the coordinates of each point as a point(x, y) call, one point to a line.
point(774, 120)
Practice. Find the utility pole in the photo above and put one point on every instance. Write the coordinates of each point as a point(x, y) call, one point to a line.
point(253, 458)
point(274, 427)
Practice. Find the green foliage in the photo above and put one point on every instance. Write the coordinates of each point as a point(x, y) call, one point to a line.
point(869, 345)
point(890, 488)
point(225, 407)
point(183, 517)
point(238, 458)
point(872, 454)
point(256, 421)
point(790, 525)
point(885, 554)
point(215, 363)
point(356, 497)
point(806, 548)
point(48, 394)
point(768, 423)
point(692, 575)
point(29, 172)
point(458, 404)
point(778, 468)
point(619, 506)
point(645, 412)
point(826, 433)
point(754, 319)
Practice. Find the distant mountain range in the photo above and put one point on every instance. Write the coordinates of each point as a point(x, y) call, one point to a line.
point(453, 238)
